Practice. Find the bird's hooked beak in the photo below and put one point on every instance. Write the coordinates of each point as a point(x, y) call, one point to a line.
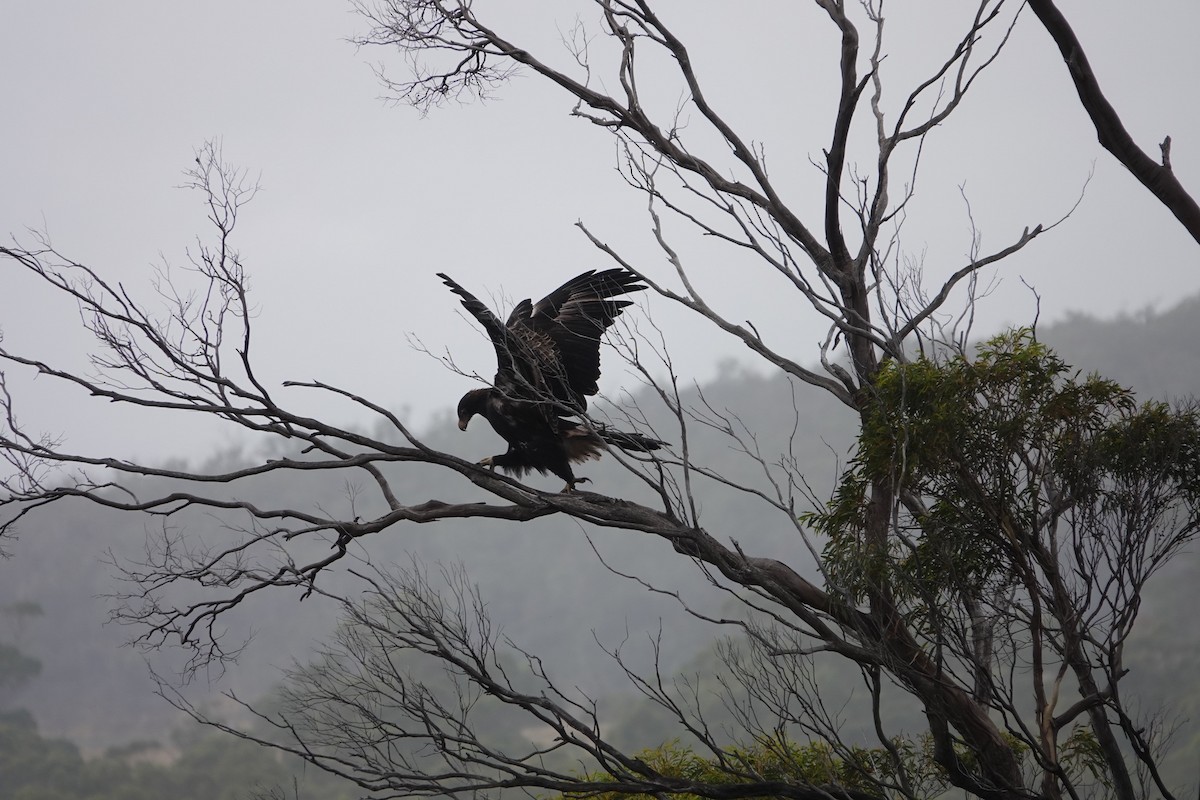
point(462, 423)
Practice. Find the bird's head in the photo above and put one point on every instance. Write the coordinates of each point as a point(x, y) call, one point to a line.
point(472, 403)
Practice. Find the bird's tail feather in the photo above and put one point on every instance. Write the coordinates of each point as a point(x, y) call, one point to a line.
point(629, 441)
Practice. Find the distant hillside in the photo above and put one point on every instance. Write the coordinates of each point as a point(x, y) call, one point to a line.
point(97, 692)
point(1156, 354)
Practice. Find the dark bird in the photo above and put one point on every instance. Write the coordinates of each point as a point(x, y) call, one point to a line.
point(548, 363)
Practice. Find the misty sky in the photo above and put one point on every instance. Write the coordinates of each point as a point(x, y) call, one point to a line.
point(362, 201)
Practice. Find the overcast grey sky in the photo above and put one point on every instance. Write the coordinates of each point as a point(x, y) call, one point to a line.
point(362, 202)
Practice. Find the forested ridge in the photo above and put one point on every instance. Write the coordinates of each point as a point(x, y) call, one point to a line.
point(93, 699)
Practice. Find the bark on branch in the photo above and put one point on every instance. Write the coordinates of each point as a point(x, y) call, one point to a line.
point(1158, 178)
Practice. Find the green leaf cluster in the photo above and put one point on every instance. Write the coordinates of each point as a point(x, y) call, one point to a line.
point(813, 763)
point(984, 454)
point(869, 770)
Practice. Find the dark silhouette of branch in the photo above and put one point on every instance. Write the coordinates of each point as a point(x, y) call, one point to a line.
point(1158, 177)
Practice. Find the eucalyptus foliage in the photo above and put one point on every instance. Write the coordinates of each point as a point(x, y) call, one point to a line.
point(1003, 456)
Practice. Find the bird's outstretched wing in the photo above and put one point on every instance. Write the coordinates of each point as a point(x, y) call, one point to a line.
point(496, 330)
point(561, 332)
point(549, 352)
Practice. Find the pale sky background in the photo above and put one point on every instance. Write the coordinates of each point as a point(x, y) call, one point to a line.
point(103, 105)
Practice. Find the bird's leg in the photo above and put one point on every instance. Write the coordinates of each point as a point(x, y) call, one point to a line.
point(570, 487)
point(489, 462)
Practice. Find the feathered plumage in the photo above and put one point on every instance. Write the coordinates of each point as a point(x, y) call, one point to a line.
point(548, 364)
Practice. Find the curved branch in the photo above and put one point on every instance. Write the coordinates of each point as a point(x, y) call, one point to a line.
point(1110, 130)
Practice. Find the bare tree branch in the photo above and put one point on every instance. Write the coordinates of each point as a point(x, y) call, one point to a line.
point(1159, 178)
